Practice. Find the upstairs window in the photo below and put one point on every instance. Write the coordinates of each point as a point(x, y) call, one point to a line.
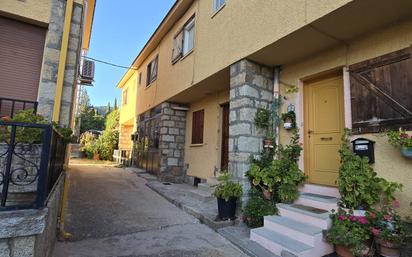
point(189, 36)
point(184, 40)
point(197, 127)
point(217, 4)
point(152, 71)
point(125, 96)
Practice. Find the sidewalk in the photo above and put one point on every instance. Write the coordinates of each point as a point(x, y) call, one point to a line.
point(192, 201)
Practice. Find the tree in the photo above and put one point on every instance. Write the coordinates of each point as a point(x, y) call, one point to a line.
point(90, 119)
point(108, 108)
point(115, 104)
point(109, 140)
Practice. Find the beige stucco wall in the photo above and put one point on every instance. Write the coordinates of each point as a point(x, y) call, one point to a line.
point(203, 159)
point(128, 111)
point(35, 10)
point(389, 163)
point(225, 37)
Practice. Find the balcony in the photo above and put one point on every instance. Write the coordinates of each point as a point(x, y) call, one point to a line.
point(9, 106)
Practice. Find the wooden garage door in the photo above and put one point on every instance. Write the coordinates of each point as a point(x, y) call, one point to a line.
point(21, 54)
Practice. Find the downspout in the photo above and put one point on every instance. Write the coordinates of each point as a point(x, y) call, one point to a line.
point(276, 102)
point(62, 61)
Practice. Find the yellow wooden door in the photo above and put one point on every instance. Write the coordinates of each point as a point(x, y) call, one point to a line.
point(324, 125)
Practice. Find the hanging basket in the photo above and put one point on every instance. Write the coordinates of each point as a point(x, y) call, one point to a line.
point(406, 152)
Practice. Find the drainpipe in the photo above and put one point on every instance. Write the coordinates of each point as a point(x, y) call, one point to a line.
point(57, 105)
point(62, 61)
point(276, 96)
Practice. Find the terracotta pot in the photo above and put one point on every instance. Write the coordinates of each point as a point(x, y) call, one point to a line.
point(268, 142)
point(266, 194)
point(387, 248)
point(96, 157)
point(406, 152)
point(343, 251)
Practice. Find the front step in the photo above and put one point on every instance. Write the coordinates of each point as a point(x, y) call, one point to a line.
point(323, 202)
point(312, 216)
point(200, 195)
point(277, 243)
point(320, 190)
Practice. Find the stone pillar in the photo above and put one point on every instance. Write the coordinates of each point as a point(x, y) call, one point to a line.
point(251, 87)
point(51, 55)
point(172, 143)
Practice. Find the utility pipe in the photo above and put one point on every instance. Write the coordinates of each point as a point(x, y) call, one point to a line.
point(276, 97)
point(62, 61)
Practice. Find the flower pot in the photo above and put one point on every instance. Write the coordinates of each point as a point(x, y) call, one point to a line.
point(359, 213)
point(226, 209)
point(387, 248)
point(268, 142)
point(343, 251)
point(96, 157)
point(406, 152)
point(287, 125)
point(266, 194)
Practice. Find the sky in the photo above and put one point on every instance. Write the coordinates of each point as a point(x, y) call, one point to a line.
point(120, 30)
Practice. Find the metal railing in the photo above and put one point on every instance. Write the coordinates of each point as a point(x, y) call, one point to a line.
point(9, 106)
point(31, 161)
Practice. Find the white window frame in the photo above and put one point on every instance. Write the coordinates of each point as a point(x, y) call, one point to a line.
point(218, 4)
point(188, 28)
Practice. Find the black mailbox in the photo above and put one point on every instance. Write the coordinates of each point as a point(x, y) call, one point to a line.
point(364, 147)
point(134, 136)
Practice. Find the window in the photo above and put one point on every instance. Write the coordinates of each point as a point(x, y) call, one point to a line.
point(197, 127)
point(217, 4)
point(140, 78)
point(152, 71)
point(183, 41)
point(125, 96)
point(188, 36)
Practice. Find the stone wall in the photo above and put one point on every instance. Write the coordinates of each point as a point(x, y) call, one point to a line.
point(31, 233)
point(172, 143)
point(251, 87)
point(51, 55)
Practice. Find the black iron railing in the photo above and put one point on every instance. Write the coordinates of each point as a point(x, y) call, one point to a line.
point(9, 106)
point(31, 161)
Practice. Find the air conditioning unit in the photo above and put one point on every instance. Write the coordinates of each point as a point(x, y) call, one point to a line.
point(87, 74)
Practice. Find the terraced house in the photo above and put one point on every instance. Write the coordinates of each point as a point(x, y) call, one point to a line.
point(199, 80)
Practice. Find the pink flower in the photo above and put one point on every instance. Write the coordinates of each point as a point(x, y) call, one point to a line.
point(404, 136)
point(352, 218)
point(396, 204)
point(376, 231)
point(363, 220)
point(341, 217)
point(387, 217)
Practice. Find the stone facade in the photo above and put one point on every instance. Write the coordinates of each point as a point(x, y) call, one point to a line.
point(251, 88)
point(172, 143)
point(31, 233)
point(51, 55)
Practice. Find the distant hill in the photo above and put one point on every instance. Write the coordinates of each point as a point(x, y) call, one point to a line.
point(101, 110)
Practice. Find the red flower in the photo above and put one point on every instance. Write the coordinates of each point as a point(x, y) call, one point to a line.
point(396, 204)
point(363, 220)
point(376, 231)
point(341, 217)
point(387, 217)
point(404, 136)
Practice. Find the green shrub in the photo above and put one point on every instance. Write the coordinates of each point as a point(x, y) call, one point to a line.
point(227, 189)
point(88, 142)
point(256, 208)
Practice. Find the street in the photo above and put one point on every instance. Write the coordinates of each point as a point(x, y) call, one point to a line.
point(111, 212)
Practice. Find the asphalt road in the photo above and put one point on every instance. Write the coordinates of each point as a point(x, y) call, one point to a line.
point(111, 212)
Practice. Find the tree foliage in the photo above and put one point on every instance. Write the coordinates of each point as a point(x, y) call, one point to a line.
point(90, 119)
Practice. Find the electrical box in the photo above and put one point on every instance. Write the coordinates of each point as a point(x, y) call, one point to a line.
point(364, 147)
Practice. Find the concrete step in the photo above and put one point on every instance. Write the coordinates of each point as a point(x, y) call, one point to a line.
point(320, 190)
point(212, 181)
point(206, 187)
point(200, 195)
point(323, 202)
point(312, 216)
point(280, 244)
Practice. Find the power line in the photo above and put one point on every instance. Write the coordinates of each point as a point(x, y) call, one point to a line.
point(109, 63)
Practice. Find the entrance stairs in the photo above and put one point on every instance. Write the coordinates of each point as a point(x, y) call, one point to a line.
point(298, 230)
point(204, 191)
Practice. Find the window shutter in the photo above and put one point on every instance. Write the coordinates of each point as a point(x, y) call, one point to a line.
point(381, 93)
point(197, 127)
point(177, 51)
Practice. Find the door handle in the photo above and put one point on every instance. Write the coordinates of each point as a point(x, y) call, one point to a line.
point(310, 131)
point(326, 138)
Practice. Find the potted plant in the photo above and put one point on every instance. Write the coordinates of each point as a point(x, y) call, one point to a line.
point(350, 234)
point(388, 230)
point(289, 120)
point(402, 140)
point(358, 184)
point(227, 192)
point(256, 208)
point(262, 118)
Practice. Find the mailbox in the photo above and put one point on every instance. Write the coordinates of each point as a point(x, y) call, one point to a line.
point(364, 147)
